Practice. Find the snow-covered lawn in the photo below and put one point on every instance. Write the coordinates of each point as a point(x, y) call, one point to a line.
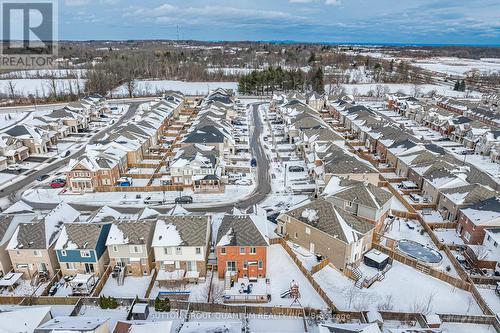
point(432, 216)
point(490, 297)
point(448, 236)
point(9, 119)
point(198, 292)
point(276, 325)
point(307, 258)
point(41, 87)
point(281, 270)
point(155, 87)
point(458, 66)
point(467, 328)
point(132, 286)
point(25, 289)
point(404, 288)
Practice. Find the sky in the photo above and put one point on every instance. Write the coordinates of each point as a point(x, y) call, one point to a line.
point(475, 22)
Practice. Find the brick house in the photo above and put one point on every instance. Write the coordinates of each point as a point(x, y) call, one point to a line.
point(241, 248)
point(473, 220)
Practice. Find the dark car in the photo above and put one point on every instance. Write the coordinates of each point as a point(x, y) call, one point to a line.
point(253, 163)
point(42, 178)
point(67, 153)
point(186, 199)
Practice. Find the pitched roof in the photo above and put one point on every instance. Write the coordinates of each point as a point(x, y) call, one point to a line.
point(181, 231)
point(365, 194)
point(323, 215)
point(239, 230)
point(79, 236)
point(130, 232)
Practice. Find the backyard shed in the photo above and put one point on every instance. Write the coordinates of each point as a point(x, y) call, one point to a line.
point(376, 259)
point(140, 311)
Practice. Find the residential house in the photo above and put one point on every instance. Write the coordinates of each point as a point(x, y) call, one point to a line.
point(327, 231)
point(12, 149)
point(361, 199)
point(452, 199)
point(491, 243)
point(31, 248)
point(474, 219)
point(129, 246)
point(241, 248)
point(36, 139)
point(75, 325)
point(81, 248)
point(181, 244)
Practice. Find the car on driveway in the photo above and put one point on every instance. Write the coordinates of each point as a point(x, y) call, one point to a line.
point(185, 199)
point(14, 167)
point(57, 183)
point(42, 178)
point(253, 163)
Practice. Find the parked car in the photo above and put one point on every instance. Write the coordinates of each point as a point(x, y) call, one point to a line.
point(67, 153)
point(244, 181)
point(185, 199)
point(295, 168)
point(42, 178)
point(57, 183)
point(150, 201)
point(253, 163)
point(14, 167)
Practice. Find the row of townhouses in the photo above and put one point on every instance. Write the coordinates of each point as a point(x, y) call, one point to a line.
point(40, 133)
point(178, 245)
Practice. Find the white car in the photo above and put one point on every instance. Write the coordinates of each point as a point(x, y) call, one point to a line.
point(14, 167)
point(243, 182)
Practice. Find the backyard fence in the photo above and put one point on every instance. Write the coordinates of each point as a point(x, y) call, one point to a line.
point(102, 281)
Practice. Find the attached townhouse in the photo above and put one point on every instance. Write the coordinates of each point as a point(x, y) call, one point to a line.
point(327, 231)
point(31, 248)
point(474, 219)
point(241, 249)
point(81, 248)
point(129, 246)
point(181, 247)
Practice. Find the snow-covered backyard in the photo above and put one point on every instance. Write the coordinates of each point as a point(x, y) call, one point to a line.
point(132, 286)
point(403, 289)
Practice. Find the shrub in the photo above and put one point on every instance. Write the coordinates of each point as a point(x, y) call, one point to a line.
point(162, 305)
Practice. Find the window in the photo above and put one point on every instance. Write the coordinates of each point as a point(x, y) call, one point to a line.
point(168, 250)
point(222, 250)
point(242, 250)
point(348, 203)
point(178, 250)
point(70, 265)
point(37, 253)
point(296, 235)
point(253, 250)
point(261, 264)
point(231, 266)
point(198, 250)
point(245, 264)
point(63, 253)
point(135, 249)
point(467, 236)
point(308, 230)
point(115, 248)
point(85, 254)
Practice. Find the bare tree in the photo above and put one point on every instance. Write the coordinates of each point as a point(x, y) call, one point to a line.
point(12, 89)
point(387, 304)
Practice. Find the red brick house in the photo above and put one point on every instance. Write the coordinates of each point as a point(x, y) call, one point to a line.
point(241, 248)
point(473, 220)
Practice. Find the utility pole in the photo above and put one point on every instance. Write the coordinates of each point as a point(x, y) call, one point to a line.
point(177, 33)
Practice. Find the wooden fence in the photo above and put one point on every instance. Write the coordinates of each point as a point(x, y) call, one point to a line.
point(139, 188)
point(320, 266)
point(471, 319)
point(102, 281)
point(151, 283)
point(52, 282)
point(306, 273)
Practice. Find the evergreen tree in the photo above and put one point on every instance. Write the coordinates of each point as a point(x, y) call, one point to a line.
point(317, 81)
point(462, 85)
point(457, 85)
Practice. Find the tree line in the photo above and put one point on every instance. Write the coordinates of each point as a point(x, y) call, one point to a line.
point(271, 80)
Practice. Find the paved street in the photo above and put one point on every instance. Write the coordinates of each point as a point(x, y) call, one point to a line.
point(262, 189)
point(13, 188)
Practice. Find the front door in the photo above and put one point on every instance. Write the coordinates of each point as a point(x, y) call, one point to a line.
point(311, 248)
point(253, 271)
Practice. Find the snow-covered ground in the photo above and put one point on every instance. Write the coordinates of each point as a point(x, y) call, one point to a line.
point(490, 297)
point(466, 328)
point(448, 236)
point(406, 88)
point(459, 66)
point(9, 119)
point(281, 270)
point(41, 87)
point(403, 289)
point(132, 286)
point(37, 73)
point(155, 87)
point(232, 193)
